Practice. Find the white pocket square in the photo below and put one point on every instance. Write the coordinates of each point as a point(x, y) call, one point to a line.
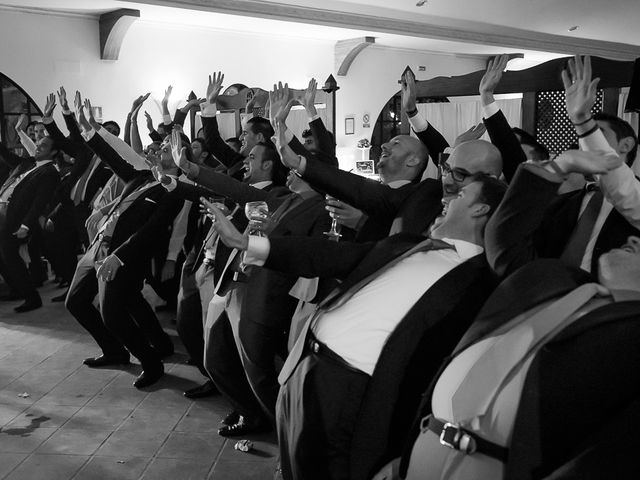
point(147, 199)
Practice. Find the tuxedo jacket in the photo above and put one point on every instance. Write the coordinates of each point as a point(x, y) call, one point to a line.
point(534, 222)
point(32, 195)
point(577, 393)
point(144, 228)
point(414, 350)
point(506, 141)
point(218, 147)
point(326, 147)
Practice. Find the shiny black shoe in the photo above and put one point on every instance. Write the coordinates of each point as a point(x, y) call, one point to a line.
point(28, 305)
point(149, 376)
point(207, 389)
point(106, 361)
point(244, 426)
point(231, 418)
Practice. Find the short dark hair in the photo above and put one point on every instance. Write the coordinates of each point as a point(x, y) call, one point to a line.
point(261, 125)
point(235, 140)
point(278, 172)
point(492, 192)
point(540, 152)
point(307, 133)
point(32, 123)
point(111, 122)
point(622, 129)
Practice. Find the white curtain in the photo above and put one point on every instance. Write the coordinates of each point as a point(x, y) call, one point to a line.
point(452, 119)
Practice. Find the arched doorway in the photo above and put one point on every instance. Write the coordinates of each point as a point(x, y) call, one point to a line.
point(14, 101)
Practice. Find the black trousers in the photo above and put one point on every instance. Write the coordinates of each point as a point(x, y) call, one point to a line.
point(189, 314)
point(316, 416)
point(261, 344)
point(125, 319)
point(225, 368)
point(13, 268)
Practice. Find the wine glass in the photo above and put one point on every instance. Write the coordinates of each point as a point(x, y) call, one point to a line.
point(219, 203)
point(256, 212)
point(333, 233)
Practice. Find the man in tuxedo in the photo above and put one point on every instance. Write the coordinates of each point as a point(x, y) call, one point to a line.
point(581, 225)
point(136, 225)
point(549, 353)
point(23, 198)
point(348, 383)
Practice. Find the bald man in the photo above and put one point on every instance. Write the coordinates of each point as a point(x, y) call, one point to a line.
point(402, 202)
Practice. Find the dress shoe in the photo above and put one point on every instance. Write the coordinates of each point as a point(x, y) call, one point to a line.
point(207, 389)
point(63, 284)
point(106, 361)
point(231, 418)
point(60, 298)
point(28, 305)
point(243, 427)
point(149, 376)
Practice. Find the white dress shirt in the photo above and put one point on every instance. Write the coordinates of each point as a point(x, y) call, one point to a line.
point(358, 329)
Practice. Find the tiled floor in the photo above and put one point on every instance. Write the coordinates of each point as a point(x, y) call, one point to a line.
point(61, 420)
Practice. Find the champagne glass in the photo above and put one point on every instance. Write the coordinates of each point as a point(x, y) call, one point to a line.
point(256, 213)
point(333, 233)
point(218, 202)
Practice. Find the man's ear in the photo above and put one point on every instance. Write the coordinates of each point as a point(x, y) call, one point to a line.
point(480, 210)
point(626, 144)
point(412, 161)
point(267, 165)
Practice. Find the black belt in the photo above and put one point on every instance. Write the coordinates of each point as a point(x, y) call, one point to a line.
point(453, 436)
point(318, 348)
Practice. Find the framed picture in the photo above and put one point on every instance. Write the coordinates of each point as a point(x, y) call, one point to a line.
point(364, 167)
point(349, 126)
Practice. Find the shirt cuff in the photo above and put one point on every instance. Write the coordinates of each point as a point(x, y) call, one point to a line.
point(448, 150)
point(66, 112)
point(166, 119)
point(208, 109)
point(25, 227)
point(257, 251)
point(490, 110)
point(88, 135)
point(47, 120)
point(418, 123)
point(315, 117)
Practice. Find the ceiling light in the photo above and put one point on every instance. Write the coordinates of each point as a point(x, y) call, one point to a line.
point(574, 28)
point(420, 3)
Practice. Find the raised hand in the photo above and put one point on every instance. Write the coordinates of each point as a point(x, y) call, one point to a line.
point(92, 121)
point(408, 90)
point(137, 103)
point(580, 90)
point(287, 156)
point(179, 153)
point(279, 100)
point(592, 162)
point(82, 120)
point(50, 105)
point(343, 213)
point(491, 78)
point(167, 95)
point(473, 133)
point(62, 97)
point(77, 101)
point(109, 268)
point(192, 103)
point(22, 122)
point(309, 97)
point(214, 87)
point(229, 234)
point(149, 121)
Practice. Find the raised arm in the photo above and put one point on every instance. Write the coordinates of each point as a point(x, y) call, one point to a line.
point(497, 125)
point(25, 140)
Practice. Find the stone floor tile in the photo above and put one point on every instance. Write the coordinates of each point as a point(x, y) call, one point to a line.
point(9, 461)
point(173, 468)
point(265, 449)
point(226, 470)
point(113, 468)
point(23, 439)
point(74, 441)
point(46, 416)
point(9, 412)
point(48, 467)
point(96, 416)
point(138, 443)
point(192, 445)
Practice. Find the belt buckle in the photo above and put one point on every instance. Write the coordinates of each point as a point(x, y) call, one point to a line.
point(447, 440)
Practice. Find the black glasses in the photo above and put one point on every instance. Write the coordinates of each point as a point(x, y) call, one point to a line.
point(458, 174)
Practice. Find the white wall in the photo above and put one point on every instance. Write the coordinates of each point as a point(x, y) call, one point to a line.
point(41, 52)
